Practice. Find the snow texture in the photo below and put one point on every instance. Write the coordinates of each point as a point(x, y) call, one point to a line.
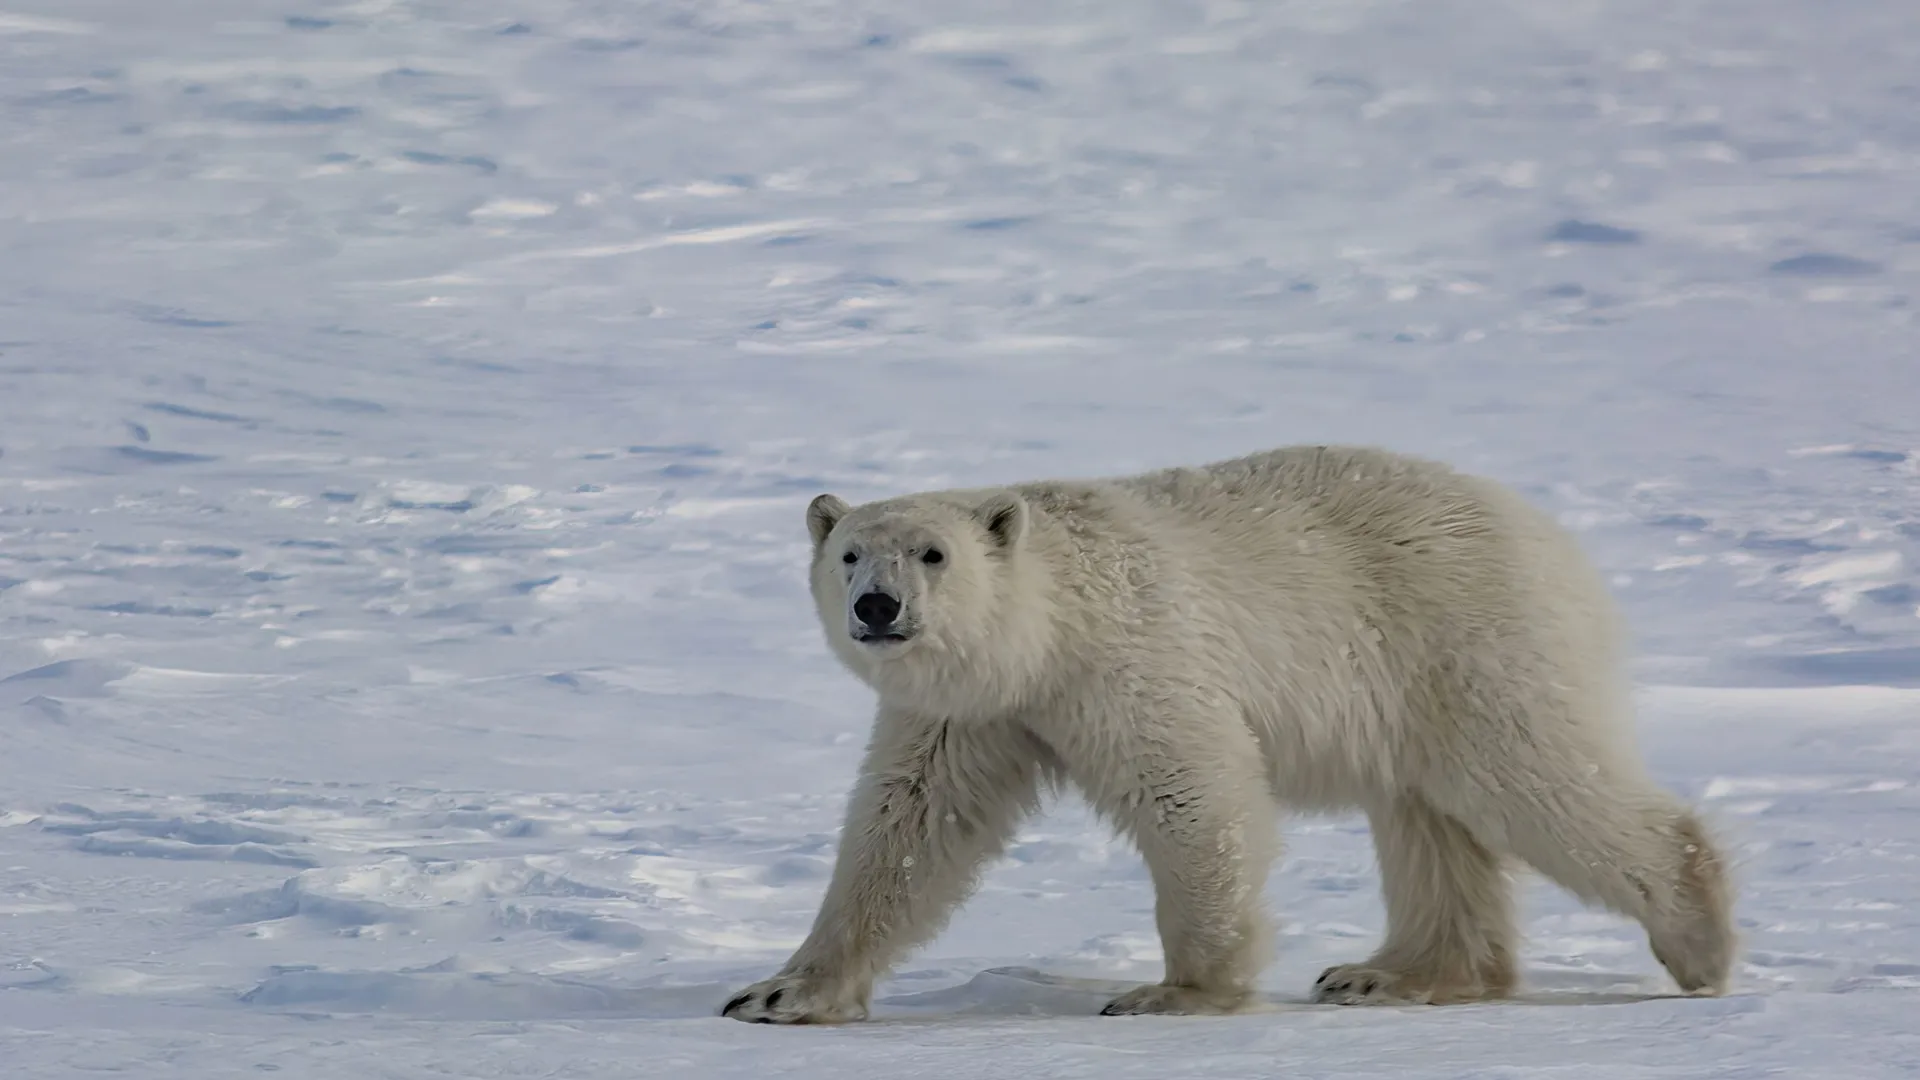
point(407, 408)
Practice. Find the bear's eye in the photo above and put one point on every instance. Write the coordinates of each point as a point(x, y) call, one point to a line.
point(932, 557)
point(849, 558)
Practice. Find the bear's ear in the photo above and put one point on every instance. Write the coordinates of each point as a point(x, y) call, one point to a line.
point(1004, 516)
point(823, 513)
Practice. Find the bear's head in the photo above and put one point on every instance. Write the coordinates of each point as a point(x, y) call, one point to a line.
point(933, 600)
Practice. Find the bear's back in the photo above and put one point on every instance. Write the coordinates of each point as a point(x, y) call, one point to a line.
point(1449, 559)
point(1423, 582)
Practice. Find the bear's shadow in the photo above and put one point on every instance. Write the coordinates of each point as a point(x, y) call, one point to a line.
point(1029, 992)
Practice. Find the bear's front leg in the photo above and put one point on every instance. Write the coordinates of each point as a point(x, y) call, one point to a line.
point(935, 800)
point(1450, 930)
point(1191, 788)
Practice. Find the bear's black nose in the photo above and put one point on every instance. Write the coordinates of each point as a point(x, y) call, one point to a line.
point(876, 610)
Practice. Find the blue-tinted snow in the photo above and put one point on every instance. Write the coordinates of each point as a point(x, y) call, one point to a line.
point(407, 406)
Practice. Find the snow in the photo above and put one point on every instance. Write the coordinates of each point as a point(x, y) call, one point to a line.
point(407, 408)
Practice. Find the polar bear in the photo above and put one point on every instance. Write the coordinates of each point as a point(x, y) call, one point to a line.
point(1314, 628)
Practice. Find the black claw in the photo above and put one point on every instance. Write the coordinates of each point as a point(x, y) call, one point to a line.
point(773, 999)
point(763, 1019)
point(1369, 986)
point(1112, 1009)
point(736, 1003)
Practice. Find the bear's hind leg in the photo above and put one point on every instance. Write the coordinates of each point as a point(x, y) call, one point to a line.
point(1450, 933)
point(1636, 850)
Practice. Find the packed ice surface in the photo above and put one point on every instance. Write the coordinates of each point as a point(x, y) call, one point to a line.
point(407, 408)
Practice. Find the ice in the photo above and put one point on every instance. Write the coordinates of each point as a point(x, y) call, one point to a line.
point(407, 410)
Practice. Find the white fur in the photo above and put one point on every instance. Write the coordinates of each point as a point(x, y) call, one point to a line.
point(1318, 628)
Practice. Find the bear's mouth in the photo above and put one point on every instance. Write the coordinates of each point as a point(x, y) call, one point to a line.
point(891, 637)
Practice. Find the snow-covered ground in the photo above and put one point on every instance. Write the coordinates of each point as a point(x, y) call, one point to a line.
point(407, 407)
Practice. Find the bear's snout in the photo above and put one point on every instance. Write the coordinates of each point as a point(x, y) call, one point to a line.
point(876, 611)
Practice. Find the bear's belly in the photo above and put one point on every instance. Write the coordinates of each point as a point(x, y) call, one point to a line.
point(1332, 728)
